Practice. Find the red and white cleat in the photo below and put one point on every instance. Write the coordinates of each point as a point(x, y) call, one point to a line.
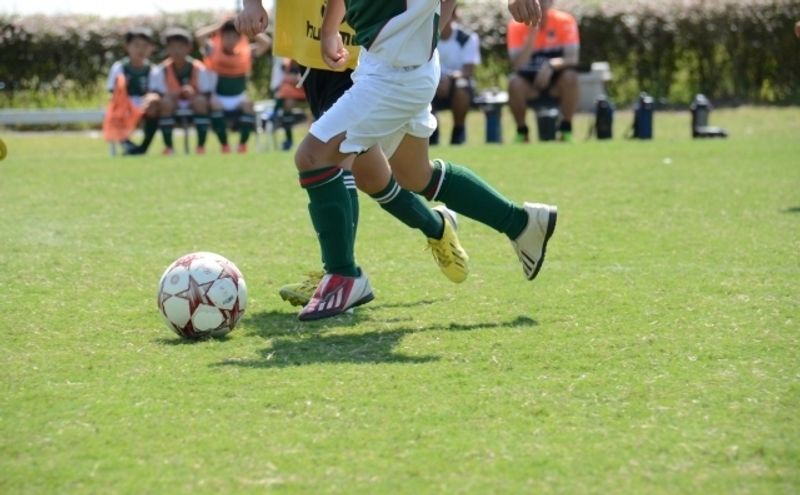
point(335, 295)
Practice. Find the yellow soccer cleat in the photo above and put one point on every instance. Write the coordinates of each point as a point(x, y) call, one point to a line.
point(447, 251)
point(300, 293)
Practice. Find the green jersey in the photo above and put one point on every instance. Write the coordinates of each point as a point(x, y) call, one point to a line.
point(401, 32)
point(137, 79)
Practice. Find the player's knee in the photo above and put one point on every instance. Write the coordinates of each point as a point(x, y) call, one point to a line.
point(304, 158)
point(200, 104)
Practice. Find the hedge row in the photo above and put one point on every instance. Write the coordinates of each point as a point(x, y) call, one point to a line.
point(732, 50)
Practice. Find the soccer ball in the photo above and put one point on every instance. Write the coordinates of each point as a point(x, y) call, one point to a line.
point(201, 295)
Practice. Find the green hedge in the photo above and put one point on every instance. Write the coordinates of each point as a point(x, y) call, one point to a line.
point(732, 50)
point(47, 60)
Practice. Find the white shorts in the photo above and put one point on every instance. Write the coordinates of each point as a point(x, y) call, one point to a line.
point(384, 104)
point(231, 103)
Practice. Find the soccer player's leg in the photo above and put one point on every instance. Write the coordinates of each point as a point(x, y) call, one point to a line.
point(200, 118)
point(528, 227)
point(439, 225)
point(166, 122)
point(247, 121)
point(344, 284)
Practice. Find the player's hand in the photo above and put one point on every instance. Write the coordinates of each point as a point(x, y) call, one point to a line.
point(526, 11)
point(543, 76)
point(187, 92)
point(252, 20)
point(334, 53)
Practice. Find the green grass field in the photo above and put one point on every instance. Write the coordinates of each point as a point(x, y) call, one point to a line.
point(657, 352)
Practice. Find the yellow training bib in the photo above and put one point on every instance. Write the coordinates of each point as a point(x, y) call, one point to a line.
point(297, 27)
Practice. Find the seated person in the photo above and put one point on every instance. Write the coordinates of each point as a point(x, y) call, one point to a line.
point(182, 82)
point(287, 74)
point(544, 61)
point(229, 58)
point(459, 53)
point(136, 69)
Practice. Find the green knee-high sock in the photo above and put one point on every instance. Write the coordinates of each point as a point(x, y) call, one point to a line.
point(150, 128)
point(332, 216)
point(247, 122)
point(167, 124)
point(350, 184)
point(409, 209)
point(201, 123)
point(218, 124)
point(466, 193)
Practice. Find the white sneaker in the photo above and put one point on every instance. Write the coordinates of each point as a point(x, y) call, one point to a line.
point(532, 242)
point(336, 294)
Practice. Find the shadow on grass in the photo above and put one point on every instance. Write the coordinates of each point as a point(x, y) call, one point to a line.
point(791, 209)
point(270, 324)
point(181, 341)
point(364, 348)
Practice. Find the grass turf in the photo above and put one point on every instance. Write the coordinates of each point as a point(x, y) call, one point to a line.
point(657, 352)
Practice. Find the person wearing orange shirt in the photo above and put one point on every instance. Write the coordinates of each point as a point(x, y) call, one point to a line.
point(229, 59)
point(544, 59)
point(182, 83)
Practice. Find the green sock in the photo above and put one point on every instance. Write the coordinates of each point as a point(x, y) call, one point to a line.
point(150, 128)
point(466, 193)
point(332, 216)
point(201, 123)
point(409, 209)
point(350, 184)
point(166, 124)
point(218, 124)
point(247, 122)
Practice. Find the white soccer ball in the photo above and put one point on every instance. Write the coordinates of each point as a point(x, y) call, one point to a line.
point(201, 295)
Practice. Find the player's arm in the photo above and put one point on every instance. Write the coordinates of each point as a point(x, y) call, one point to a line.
point(448, 7)
point(206, 32)
point(520, 56)
point(260, 45)
point(568, 60)
point(253, 19)
point(116, 70)
point(334, 53)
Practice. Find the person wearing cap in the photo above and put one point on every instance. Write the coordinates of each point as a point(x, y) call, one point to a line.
point(135, 68)
point(183, 83)
point(229, 56)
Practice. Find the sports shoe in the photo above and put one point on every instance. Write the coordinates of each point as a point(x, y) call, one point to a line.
point(300, 293)
point(565, 137)
point(532, 242)
point(168, 152)
point(447, 251)
point(200, 150)
point(242, 148)
point(335, 295)
point(226, 148)
point(522, 138)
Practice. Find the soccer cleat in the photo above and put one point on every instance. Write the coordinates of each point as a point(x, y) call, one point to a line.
point(532, 242)
point(566, 136)
point(522, 138)
point(242, 148)
point(447, 251)
point(300, 293)
point(336, 294)
point(200, 150)
point(168, 152)
point(226, 148)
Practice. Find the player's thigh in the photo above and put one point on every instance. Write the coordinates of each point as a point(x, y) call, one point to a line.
point(199, 103)
point(522, 86)
point(410, 164)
